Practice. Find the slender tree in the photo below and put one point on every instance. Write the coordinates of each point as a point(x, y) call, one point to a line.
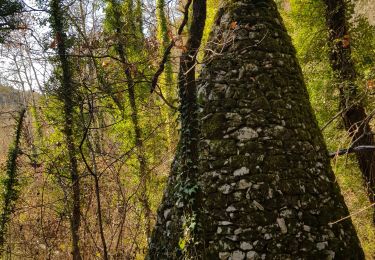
point(354, 116)
point(11, 182)
point(184, 176)
point(121, 31)
point(163, 35)
point(66, 95)
point(265, 186)
point(167, 80)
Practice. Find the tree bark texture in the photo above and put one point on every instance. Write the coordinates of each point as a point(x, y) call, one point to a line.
point(265, 186)
point(66, 94)
point(354, 115)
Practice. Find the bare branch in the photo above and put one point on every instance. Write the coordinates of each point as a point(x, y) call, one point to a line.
point(170, 46)
point(361, 148)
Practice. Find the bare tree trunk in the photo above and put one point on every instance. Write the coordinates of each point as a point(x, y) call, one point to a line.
point(100, 218)
point(143, 168)
point(355, 119)
point(66, 95)
point(93, 168)
point(143, 165)
point(167, 80)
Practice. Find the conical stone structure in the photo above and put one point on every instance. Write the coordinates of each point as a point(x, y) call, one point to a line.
point(266, 188)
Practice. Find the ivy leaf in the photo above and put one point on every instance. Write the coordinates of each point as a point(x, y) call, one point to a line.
point(182, 243)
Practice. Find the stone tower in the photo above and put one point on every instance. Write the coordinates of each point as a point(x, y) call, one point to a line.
point(265, 186)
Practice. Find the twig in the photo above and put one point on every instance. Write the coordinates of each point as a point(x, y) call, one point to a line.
point(351, 215)
point(361, 148)
point(170, 46)
point(160, 94)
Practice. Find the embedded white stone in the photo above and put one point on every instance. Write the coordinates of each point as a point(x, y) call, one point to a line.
point(233, 238)
point(286, 213)
point(321, 245)
point(219, 230)
point(246, 133)
point(330, 234)
point(251, 255)
point(201, 93)
point(238, 231)
point(270, 193)
point(241, 171)
point(256, 186)
point(282, 225)
point(168, 224)
point(240, 75)
point(251, 67)
point(166, 213)
point(231, 209)
point(213, 174)
point(267, 236)
point(279, 128)
point(246, 246)
point(306, 228)
point(237, 195)
point(226, 189)
point(225, 223)
point(238, 255)
point(330, 255)
point(243, 184)
point(233, 116)
point(224, 255)
point(258, 205)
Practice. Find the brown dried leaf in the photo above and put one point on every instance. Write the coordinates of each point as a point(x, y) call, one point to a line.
point(233, 25)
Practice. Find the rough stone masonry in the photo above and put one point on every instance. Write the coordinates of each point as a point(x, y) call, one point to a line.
point(266, 188)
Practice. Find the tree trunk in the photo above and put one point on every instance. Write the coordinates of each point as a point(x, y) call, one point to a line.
point(66, 96)
point(172, 243)
point(135, 22)
point(143, 165)
point(265, 186)
point(11, 183)
point(354, 115)
point(167, 80)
